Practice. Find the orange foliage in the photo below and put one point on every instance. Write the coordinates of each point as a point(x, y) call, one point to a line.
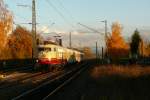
point(123, 71)
point(144, 49)
point(6, 23)
point(20, 43)
point(17, 45)
point(116, 46)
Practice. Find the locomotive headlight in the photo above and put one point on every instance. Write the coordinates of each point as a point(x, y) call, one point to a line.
point(48, 56)
point(37, 61)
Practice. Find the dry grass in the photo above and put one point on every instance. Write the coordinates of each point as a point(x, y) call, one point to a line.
point(123, 71)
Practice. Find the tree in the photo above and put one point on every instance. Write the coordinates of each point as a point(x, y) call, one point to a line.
point(6, 25)
point(116, 45)
point(135, 42)
point(20, 43)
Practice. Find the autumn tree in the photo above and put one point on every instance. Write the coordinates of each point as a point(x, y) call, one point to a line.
point(6, 23)
point(20, 43)
point(135, 42)
point(116, 45)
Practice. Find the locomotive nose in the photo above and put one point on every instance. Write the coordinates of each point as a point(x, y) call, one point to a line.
point(37, 60)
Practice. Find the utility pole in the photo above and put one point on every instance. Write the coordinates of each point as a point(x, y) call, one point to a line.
point(96, 51)
point(105, 29)
point(70, 40)
point(142, 47)
point(34, 49)
point(105, 21)
point(106, 40)
point(102, 53)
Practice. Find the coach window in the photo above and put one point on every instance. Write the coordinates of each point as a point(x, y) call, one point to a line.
point(49, 49)
point(55, 49)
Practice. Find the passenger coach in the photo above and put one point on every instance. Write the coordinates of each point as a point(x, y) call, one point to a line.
point(53, 54)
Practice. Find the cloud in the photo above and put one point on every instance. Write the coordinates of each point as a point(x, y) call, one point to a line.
point(44, 29)
point(88, 40)
point(79, 39)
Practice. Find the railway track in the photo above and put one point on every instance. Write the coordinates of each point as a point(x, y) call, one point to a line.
point(48, 88)
point(4, 74)
point(28, 78)
point(8, 70)
point(16, 80)
point(12, 76)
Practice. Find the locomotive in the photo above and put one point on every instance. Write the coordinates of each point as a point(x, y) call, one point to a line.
point(52, 54)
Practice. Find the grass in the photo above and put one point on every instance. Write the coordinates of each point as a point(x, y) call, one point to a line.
point(120, 82)
point(123, 71)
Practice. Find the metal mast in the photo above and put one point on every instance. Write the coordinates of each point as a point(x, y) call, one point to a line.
point(105, 29)
point(105, 21)
point(96, 51)
point(70, 40)
point(106, 49)
point(34, 51)
point(106, 53)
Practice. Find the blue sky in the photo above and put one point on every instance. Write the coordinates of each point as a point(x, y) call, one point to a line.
point(66, 14)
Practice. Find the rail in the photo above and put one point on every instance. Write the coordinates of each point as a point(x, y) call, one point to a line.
point(49, 87)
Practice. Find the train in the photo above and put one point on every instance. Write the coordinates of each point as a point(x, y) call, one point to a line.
point(52, 54)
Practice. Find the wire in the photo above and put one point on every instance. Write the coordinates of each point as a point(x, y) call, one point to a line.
point(16, 15)
point(60, 14)
point(90, 28)
point(66, 10)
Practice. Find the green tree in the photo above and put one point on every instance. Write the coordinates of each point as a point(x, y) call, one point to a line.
point(135, 42)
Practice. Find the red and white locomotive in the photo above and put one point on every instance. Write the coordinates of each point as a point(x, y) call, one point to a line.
point(53, 54)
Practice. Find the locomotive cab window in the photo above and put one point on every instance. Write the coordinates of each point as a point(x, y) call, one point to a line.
point(41, 49)
point(48, 49)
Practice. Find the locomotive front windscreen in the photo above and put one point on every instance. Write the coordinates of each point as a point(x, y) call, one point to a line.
point(41, 49)
point(43, 52)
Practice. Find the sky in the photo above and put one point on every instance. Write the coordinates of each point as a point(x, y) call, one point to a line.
point(62, 16)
